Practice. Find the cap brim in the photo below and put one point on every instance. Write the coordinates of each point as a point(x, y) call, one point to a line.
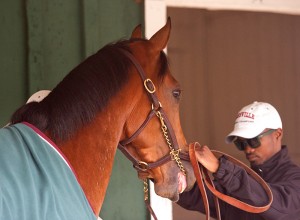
point(244, 133)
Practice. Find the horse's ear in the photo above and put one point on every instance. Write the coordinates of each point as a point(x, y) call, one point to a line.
point(137, 32)
point(161, 37)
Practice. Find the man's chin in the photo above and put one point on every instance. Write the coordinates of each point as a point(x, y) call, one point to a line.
point(255, 162)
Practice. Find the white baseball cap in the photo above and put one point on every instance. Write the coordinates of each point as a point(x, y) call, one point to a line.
point(253, 119)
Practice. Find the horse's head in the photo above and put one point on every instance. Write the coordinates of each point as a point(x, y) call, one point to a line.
point(152, 131)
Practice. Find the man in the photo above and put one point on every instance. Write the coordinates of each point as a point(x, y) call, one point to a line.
point(258, 132)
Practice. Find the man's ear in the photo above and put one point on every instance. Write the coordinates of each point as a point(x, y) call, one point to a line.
point(279, 134)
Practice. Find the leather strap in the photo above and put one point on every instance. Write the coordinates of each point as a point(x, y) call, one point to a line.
point(203, 179)
point(150, 210)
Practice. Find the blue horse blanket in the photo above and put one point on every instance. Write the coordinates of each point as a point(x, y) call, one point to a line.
point(36, 181)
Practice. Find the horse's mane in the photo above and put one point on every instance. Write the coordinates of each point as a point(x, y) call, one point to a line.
point(83, 93)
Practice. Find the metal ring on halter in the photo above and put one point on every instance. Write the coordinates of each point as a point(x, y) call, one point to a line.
point(143, 166)
point(150, 90)
point(160, 106)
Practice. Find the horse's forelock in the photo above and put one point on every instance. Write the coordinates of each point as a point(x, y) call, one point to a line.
point(164, 65)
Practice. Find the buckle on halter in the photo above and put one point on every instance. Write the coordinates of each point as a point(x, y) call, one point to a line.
point(156, 107)
point(149, 86)
point(142, 166)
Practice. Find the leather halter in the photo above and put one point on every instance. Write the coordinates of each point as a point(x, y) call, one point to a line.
point(158, 111)
point(167, 130)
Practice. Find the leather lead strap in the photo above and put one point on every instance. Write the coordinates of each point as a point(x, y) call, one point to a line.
point(150, 210)
point(203, 179)
point(199, 180)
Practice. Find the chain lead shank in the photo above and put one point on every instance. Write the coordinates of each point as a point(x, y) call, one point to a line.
point(174, 153)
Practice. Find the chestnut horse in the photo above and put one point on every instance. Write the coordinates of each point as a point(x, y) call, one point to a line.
point(124, 95)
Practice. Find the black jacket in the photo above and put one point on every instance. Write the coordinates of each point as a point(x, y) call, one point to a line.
point(282, 175)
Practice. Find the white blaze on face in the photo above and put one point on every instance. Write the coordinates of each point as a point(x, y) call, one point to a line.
point(181, 182)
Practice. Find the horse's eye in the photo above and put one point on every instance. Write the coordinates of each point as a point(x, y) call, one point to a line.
point(177, 93)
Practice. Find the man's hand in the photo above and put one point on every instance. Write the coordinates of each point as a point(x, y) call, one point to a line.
point(207, 158)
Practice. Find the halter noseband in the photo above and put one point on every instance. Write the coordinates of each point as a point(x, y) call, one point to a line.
point(168, 132)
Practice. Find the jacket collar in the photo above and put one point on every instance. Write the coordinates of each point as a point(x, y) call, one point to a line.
point(271, 165)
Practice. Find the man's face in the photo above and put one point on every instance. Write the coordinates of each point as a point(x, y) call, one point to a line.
point(270, 145)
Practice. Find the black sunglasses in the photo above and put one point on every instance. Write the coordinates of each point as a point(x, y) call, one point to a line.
point(252, 142)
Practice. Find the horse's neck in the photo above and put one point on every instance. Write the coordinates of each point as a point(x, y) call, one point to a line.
point(91, 154)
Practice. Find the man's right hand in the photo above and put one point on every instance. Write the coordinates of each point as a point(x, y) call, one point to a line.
point(206, 158)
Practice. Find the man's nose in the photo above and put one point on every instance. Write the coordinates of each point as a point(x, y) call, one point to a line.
point(248, 149)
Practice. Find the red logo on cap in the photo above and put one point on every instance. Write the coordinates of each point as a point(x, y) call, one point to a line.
point(246, 115)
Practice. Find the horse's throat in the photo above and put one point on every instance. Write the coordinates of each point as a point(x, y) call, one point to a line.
point(91, 154)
